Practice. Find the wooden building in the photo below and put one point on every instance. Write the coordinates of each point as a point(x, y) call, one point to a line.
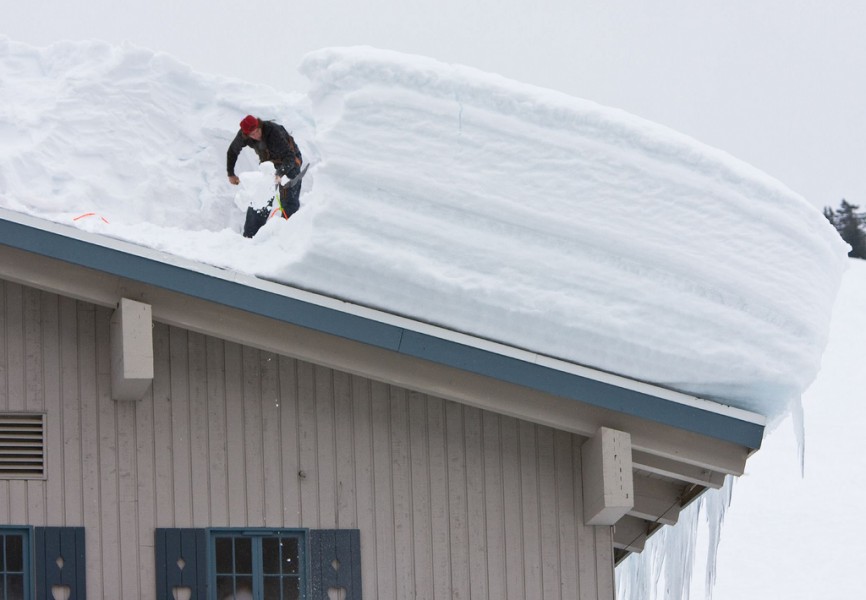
point(175, 430)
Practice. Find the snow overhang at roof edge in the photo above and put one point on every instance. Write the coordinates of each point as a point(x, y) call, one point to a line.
point(381, 329)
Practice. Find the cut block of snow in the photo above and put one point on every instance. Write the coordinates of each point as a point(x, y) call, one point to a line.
point(564, 227)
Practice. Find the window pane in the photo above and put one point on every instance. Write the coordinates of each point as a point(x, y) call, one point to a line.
point(15, 591)
point(14, 553)
point(271, 555)
point(291, 588)
point(225, 588)
point(244, 589)
point(2, 555)
point(272, 588)
point(290, 555)
point(243, 555)
point(224, 560)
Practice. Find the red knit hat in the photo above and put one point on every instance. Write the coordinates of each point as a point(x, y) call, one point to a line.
point(248, 124)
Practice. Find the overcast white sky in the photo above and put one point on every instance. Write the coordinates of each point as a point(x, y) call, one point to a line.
point(777, 83)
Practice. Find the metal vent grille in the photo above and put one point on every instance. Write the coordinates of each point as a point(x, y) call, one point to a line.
point(22, 446)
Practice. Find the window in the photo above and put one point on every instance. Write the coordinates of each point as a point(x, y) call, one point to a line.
point(42, 562)
point(14, 563)
point(258, 564)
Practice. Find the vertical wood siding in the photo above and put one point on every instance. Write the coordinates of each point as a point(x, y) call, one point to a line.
point(452, 501)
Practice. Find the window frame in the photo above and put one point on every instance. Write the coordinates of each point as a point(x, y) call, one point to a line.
point(27, 550)
point(256, 534)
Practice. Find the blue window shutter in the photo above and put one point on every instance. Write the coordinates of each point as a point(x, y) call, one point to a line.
point(181, 560)
point(335, 562)
point(59, 560)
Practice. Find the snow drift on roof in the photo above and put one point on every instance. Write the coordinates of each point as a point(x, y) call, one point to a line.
point(450, 196)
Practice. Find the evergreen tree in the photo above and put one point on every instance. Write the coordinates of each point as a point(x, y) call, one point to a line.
point(851, 225)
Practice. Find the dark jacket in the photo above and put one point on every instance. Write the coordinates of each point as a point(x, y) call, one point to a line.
point(276, 145)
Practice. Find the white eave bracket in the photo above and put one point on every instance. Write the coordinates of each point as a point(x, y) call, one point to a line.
point(608, 482)
point(131, 350)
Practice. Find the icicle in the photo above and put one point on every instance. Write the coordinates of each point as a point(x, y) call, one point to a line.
point(798, 419)
point(668, 559)
point(717, 503)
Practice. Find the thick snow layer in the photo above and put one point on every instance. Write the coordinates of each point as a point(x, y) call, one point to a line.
point(450, 196)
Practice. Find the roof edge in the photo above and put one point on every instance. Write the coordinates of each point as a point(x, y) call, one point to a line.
point(380, 328)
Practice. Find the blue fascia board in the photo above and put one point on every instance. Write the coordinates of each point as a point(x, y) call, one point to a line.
point(198, 285)
point(382, 335)
point(583, 389)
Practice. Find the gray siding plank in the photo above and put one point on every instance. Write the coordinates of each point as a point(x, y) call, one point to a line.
point(567, 522)
point(494, 506)
point(234, 436)
point(70, 414)
point(180, 426)
point(514, 564)
point(457, 507)
point(531, 518)
point(217, 461)
point(16, 368)
point(5, 501)
point(129, 540)
point(384, 497)
point(128, 548)
point(5, 373)
point(347, 516)
point(402, 491)
point(440, 518)
point(17, 379)
point(308, 445)
point(198, 430)
point(54, 482)
point(551, 570)
point(34, 398)
point(5, 369)
point(289, 442)
point(252, 425)
point(604, 562)
point(19, 509)
point(34, 394)
point(270, 436)
point(162, 429)
point(145, 493)
point(109, 512)
point(475, 503)
point(364, 479)
point(90, 447)
point(4, 342)
point(129, 543)
point(420, 500)
point(325, 449)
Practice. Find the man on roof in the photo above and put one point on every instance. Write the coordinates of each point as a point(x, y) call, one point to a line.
point(271, 142)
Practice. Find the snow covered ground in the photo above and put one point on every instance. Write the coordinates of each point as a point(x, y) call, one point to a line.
point(482, 205)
